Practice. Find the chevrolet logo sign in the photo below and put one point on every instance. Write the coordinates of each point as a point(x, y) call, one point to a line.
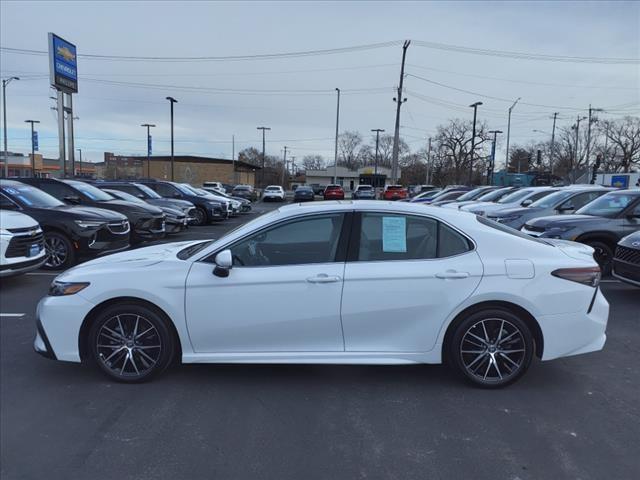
point(33, 233)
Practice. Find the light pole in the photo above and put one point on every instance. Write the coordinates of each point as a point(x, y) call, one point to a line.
point(591, 110)
point(172, 101)
point(5, 82)
point(473, 139)
point(335, 154)
point(506, 161)
point(262, 170)
point(149, 126)
point(33, 148)
point(493, 155)
point(576, 157)
point(375, 169)
point(80, 154)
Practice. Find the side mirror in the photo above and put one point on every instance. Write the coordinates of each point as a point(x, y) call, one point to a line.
point(527, 202)
point(224, 263)
point(73, 199)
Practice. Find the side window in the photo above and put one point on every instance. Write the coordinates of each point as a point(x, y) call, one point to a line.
point(298, 242)
point(57, 189)
point(407, 237)
point(127, 189)
point(538, 196)
point(7, 204)
point(164, 190)
point(581, 199)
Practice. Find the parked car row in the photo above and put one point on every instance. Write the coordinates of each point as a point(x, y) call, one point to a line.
point(54, 224)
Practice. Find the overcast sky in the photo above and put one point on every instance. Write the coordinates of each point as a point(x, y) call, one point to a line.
point(303, 115)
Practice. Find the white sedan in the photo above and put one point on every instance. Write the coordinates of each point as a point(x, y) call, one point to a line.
point(274, 192)
point(364, 282)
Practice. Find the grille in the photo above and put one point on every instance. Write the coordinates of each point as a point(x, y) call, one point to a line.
point(626, 271)
point(118, 227)
point(19, 246)
point(23, 229)
point(628, 255)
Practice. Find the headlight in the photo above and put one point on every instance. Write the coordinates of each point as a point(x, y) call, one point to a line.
point(214, 204)
point(59, 289)
point(89, 224)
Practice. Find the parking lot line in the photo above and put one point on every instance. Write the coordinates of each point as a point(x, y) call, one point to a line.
point(17, 315)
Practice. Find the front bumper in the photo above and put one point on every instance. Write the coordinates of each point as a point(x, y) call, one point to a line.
point(627, 272)
point(21, 267)
point(150, 229)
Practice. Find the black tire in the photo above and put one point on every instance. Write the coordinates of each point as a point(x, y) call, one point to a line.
point(201, 216)
point(131, 343)
point(491, 348)
point(60, 252)
point(603, 254)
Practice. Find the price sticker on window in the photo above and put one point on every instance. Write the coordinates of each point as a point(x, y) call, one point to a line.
point(394, 234)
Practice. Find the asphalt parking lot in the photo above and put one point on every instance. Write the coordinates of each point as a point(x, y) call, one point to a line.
point(571, 418)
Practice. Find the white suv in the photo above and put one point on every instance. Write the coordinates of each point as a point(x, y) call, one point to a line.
point(21, 244)
point(273, 192)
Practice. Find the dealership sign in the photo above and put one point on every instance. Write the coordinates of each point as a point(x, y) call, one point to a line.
point(63, 64)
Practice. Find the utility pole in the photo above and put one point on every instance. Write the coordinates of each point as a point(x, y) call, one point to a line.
point(335, 154)
point(262, 170)
point(6, 82)
point(506, 161)
point(576, 158)
point(284, 164)
point(399, 101)
point(233, 156)
point(553, 143)
point(589, 131)
point(375, 168)
point(293, 166)
point(172, 101)
point(493, 155)
point(428, 179)
point(148, 126)
point(473, 140)
point(33, 147)
point(80, 154)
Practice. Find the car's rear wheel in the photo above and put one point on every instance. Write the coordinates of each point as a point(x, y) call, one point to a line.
point(131, 343)
point(200, 216)
point(603, 254)
point(491, 348)
point(60, 252)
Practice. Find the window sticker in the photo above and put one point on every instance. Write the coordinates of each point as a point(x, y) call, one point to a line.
point(394, 234)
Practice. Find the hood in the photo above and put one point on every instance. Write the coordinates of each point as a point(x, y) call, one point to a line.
point(631, 241)
point(9, 219)
point(138, 258)
point(473, 206)
point(174, 212)
point(507, 212)
point(563, 220)
point(125, 207)
point(169, 202)
point(86, 213)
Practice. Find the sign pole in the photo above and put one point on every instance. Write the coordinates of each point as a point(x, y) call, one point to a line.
point(61, 140)
point(71, 149)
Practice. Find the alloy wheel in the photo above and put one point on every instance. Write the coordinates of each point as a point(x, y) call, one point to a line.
point(129, 345)
point(57, 252)
point(493, 350)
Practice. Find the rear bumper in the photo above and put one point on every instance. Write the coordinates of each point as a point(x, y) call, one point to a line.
point(575, 333)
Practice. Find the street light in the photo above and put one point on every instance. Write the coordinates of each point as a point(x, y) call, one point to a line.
point(509, 133)
point(33, 148)
point(5, 82)
point(148, 126)
point(335, 155)
point(262, 170)
point(493, 155)
point(80, 153)
point(172, 101)
point(473, 139)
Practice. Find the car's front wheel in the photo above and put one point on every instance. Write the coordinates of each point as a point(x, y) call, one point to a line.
point(200, 217)
point(491, 348)
point(603, 254)
point(131, 343)
point(60, 252)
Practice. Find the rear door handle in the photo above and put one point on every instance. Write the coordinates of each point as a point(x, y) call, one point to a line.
point(452, 274)
point(324, 278)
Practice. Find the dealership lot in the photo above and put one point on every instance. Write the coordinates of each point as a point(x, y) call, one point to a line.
point(571, 418)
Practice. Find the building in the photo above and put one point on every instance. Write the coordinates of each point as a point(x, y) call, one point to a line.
point(350, 179)
point(619, 180)
point(21, 166)
point(190, 169)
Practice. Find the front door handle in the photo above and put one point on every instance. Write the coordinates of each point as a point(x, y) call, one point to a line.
point(324, 278)
point(452, 274)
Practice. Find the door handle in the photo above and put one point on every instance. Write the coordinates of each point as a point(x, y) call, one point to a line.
point(452, 274)
point(324, 278)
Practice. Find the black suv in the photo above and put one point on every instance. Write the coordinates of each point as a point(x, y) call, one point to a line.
point(207, 210)
point(147, 221)
point(600, 224)
point(70, 233)
point(626, 263)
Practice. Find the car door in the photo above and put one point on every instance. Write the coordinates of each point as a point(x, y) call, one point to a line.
point(282, 294)
point(404, 278)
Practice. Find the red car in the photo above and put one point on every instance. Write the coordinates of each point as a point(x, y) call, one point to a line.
point(394, 192)
point(333, 192)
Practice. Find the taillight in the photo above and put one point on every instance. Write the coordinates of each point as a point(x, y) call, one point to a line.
point(589, 276)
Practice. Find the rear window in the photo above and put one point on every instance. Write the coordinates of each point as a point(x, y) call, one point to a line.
point(511, 231)
point(365, 187)
point(395, 187)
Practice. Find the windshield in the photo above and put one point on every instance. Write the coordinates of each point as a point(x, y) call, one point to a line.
point(609, 205)
point(515, 196)
point(187, 190)
point(240, 189)
point(124, 196)
point(147, 191)
point(29, 196)
point(473, 194)
point(549, 201)
point(273, 189)
point(90, 191)
point(494, 195)
point(441, 195)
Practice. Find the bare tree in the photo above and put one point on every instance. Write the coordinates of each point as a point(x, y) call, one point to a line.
point(349, 147)
point(313, 162)
point(385, 149)
point(453, 144)
point(624, 137)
